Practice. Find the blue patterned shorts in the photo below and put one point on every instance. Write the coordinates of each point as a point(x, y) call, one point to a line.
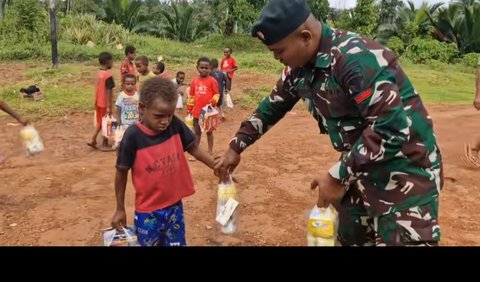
point(163, 228)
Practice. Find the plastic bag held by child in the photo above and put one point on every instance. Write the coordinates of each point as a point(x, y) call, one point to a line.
point(229, 101)
point(189, 121)
point(208, 119)
point(32, 140)
point(108, 127)
point(119, 131)
point(226, 207)
point(124, 238)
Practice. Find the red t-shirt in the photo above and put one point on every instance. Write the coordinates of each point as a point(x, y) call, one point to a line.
point(202, 91)
point(127, 67)
point(104, 82)
point(228, 64)
point(160, 171)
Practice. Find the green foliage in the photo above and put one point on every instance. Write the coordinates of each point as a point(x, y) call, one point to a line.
point(251, 98)
point(365, 16)
point(79, 29)
point(470, 60)
point(397, 45)
point(25, 21)
point(182, 25)
point(320, 9)
point(423, 50)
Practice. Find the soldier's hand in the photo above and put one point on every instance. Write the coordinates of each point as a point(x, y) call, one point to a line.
point(226, 164)
point(476, 102)
point(330, 190)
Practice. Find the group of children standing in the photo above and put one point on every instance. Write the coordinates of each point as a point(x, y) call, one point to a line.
point(155, 140)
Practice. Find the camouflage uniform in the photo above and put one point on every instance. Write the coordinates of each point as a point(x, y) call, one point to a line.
point(390, 161)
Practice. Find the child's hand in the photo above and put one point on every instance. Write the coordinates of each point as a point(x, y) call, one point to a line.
point(24, 121)
point(213, 102)
point(119, 220)
point(476, 102)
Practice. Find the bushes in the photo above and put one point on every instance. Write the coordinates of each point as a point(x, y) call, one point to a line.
point(421, 51)
point(79, 29)
point(470, 60)
point(237, 42)
point(397, 45)
point(25, 21)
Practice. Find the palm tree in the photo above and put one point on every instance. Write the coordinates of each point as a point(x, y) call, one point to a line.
point(124, 12)
point(182, 25)
point(459, 24)
point(409, 22)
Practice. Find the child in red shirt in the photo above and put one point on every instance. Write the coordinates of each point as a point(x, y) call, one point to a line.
point(203, 91)
point(228, 65)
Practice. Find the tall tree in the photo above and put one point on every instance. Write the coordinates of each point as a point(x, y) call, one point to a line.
point(387, 9)
point(365, 16)
point(53, 33)
point(320, 9)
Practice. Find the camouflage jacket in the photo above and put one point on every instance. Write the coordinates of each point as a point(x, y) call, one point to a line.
point(361, 97)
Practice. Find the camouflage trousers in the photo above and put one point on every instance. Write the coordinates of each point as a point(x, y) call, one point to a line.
point(416, 226)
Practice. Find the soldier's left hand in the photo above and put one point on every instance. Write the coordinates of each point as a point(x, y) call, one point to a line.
point(330, 190)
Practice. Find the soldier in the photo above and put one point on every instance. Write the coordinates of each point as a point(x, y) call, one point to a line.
point(386, 183)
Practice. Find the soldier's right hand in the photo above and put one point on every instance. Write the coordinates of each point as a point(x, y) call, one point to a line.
point(226, 164)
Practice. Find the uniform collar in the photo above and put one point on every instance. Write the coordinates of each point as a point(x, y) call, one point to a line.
point(323, 59)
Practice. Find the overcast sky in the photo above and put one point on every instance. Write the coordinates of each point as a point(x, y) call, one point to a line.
point(351, 3)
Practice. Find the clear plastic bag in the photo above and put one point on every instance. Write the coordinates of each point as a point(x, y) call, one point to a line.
point(229, 101)
point(108, 127)
point(322, 227)
point(32, 140)
point(209, 119)
point(189, 121)
point(124, 238)
point(227, 192)
point(119, 131)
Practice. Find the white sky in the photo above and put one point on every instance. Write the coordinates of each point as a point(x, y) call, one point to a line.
point(351, 3)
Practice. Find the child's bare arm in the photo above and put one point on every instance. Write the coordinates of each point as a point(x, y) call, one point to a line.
point(202, 156)
point(118, 115)
point(108, 92)
point(6, 108)
point(119, 219)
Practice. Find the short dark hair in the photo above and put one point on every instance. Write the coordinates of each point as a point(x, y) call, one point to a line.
point(158, 88)
point(130, 50)
point(129, 75)
point(142, 59)
point(160, 66)
point(229, 48)
point(180, 73)
point(104, 58)
point(203, 59)
point(214, 63)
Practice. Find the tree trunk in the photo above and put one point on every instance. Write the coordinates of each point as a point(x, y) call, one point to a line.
point(53, 33)
point(2, 8)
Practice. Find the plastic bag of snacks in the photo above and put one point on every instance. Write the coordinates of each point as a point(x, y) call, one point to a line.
point(119, 132)
point(109, 124)
point(124, 238)
point(32, 140)
point(189, 121)
point(208, 119)
point(227, 203)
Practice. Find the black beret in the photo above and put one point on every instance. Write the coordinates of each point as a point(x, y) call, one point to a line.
point(279, 18)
